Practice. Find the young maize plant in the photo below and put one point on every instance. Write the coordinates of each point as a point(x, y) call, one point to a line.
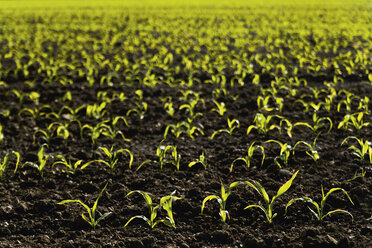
point(318, 123)
point(42, 160)
point(183, 127)
point(95, 131)
point(232, 125)
point(69, 113)
point(263, 103)
point(319, 208)
point(190, 107)
point(140, 110)
point(202, 160)
point(97, 111)
point(347, 102)
point(220, 108)
point(1, 134)
point(269, 204)
point(161, 153)
point(92, 220)
point(363, 105)
point(5, 163)
point(35, 113)
point(224, 214)
point(33, 96)
point(262, 123)
point(285, 152)
point(356, 120)
point(168, 106)
point(247, 159)
point(71, 168)
point(312, 147)
point(356, 175)
point(112, 157)
point(165, 203)
point(365, 148)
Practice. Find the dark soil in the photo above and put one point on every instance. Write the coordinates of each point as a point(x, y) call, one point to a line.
point(31, 217)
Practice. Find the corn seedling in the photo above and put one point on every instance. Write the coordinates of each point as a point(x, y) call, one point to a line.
point(232, 125)
point(70, 113)
point(165, 203)
point(262, 124)
point(346, 102)
point(285, 152)
point(356, 120)
point(224, 214)
point(263, 103)
point(168, 105)
point(113, 157)
point(313, 153)
point(42, 161)
point(220, 108)
point(202, 160)
point(267, 208)
point(5, 163)
point(92, 220)
point(247, 159)
point(365, 147)
point(140, 110)
point(356, 175)
point(1, 134)
point(95, 131)
point(71, 167)
point(161, 153)
point(318, 123)
point(182, 127)
point(363, 105)
point(33, 96)
point(190, 107)
point(319, 208)
point(35, 113)
point(97, 111)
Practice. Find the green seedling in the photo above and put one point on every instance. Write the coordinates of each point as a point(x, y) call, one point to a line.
point(318, 123)
point(1, 134)
point(263, 103)
point(97, 111)
point(35, 113)
point(5, 163)
point(247, 159)
point(231, 124)
point(33, 96)
point(224, 214)
point(182, 127)
point(356, 175)
point(262, 124)
point(220, 108)
point(165, 203)
point(356, 120)
point(285, 152)
point(42, 161)
point(313, 153)
point(319, 209)
point(190, 107)
point(365, 147)
point(113, 157)
point(140, 110)
point(161, 153)
point(69, 113)
point(202, 160)
point(95, 131)
point(267, 208)
point(92, 220)
point(71, 167)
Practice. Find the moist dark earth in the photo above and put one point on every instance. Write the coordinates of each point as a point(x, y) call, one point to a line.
point(30, 215)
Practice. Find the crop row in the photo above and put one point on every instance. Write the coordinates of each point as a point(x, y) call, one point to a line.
point(165, 203)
